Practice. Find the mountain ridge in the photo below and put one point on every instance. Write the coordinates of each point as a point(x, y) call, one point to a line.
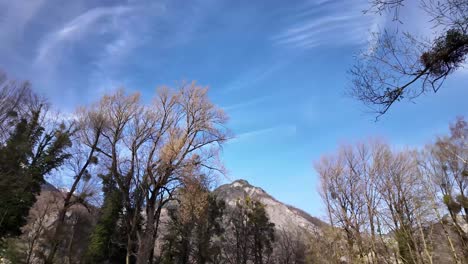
point(284, 216)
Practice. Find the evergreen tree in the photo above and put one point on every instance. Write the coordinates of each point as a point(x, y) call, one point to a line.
point(102, 246)
point(207, 227)
point(262, 232)
point(176, 247)
point(252, 233)
point(191, 236)
point(29, 154)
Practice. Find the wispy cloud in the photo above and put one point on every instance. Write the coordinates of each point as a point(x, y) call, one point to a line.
point(87, 46)
point(76, 29)
point(255, 75)
point(105, 35)
point(248, 103)
point(336, 23)
point(277, 131)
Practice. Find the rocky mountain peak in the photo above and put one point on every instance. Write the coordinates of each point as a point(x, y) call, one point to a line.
point(285, 217)
point(241, 182)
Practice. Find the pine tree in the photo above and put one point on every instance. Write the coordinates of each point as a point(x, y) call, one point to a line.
point(208, 227)
point(252, 233)
point(102, 246)
point(262, 232)
point(191, 234)
point(29, 154)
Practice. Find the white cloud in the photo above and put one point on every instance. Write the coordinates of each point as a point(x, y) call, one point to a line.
point(107, 35)
point(327, 23)
point(75, 30)
point(277, 131)
point(248, 103)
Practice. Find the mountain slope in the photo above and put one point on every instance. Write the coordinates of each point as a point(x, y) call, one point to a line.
point(285, 217)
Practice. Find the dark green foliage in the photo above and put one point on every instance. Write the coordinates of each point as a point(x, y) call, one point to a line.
point(207, 228)
point(177, 241)
point(447, 53)
point(102, 245)
point(194, 241)
point(29, 154)
point(406, 247)
point(262, 231)
point(253, 232)
point(14, 251)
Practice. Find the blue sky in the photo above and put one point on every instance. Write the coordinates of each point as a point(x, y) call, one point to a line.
point(277, 67)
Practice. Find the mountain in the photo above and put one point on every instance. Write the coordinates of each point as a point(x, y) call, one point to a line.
point(285, 217)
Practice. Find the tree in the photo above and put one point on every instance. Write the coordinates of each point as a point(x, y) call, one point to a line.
point(17, 101)
point(87, 133)
point(195, 226)
point(46, 206)
point(30, 153)
point(371, 191)
point(148, 149)
point(446, 164)
point(262, 231)
point(403, 199)
point(208, 231)
point(290, 247)
point(400, 66)
point(327, 246)
point(250, 233)
point(341, 189)
point(107, 237)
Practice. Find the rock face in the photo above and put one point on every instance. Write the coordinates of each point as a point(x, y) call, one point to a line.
point(284, 217)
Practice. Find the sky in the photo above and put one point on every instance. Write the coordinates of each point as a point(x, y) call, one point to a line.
point(278, 68)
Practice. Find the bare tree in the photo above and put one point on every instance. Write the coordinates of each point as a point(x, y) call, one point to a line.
point(88, 128)
point(149, 148)
point(432, 191)
point(400, 66)
point(446, 164)
point(328, 246)
point(17, 101)
point(291, 247)
point(403, 199)
point(370, 192)
point(341, 189)
point(40, 219)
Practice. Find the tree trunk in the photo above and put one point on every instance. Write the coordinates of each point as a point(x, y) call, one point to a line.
point(70, 243)
point(30, 250)
point(155, 236)
point(145, 243)
point(128, 256)
point(55, 238)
